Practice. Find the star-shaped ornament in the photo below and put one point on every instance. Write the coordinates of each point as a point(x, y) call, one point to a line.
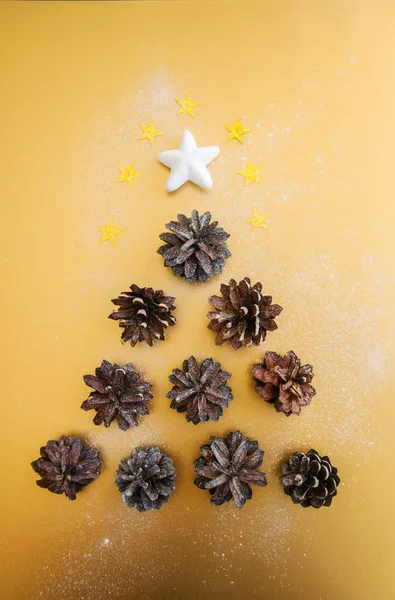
point(188, 163)
point(236, 131)
point(187, 105)
point(250, 174)
point(150, 132)
point(257, 220)
point(109, 232)
point(128, 174)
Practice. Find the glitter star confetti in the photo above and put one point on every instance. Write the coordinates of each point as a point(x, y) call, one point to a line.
point(109, 232)
point(257, 220)
point(236, 131)
point(128, 174)
point(250, 174)
point(187, 105)
point(150, 132)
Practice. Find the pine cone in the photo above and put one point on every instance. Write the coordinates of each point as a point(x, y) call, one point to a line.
point(310, 479)
point(282, 381)
point(195, 249)
point(200, 390)
point(66, 466)
point(146, 479)
point(120, 393)
point(227, 466)
point(242, 315)
point(145, 313)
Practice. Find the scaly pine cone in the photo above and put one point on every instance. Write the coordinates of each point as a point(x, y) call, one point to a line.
point(66, 466)
point(282, 381)
point(144, 313)
point(242, 315)
point(226, 468)
point(310, 479)
point(200, 390)
point(146, 479)
point(196, 249)
point(120, 393)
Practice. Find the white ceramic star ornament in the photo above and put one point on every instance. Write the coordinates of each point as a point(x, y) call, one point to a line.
point(188, 163)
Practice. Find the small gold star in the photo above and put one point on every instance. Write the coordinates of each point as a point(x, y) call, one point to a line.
point(187, 105)
point(128, 174)
point(250, 174)
point(109, 232)
point(150, 132)
point(257, 220)
point(236, 131)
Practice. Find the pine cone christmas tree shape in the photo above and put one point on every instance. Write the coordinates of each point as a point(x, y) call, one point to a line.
point(284, 382)
point(66, 466)
point(310, 479)
point(119, 393)
point(200, 390)
point(144, 313)
point(242, 316)
point(227, 468)
point(146, 478)
point(195, 249)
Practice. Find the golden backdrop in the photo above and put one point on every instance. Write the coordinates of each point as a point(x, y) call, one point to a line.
point(314, 83)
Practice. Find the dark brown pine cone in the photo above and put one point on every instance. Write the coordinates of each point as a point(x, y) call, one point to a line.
point(144, 313)
point(200, 390)
point(66, 466)
point(226, 468)
point(282, 381)
point(242, 316)
point(120, 393)
point(146, 479)
point(196, 249)
point(310, 479)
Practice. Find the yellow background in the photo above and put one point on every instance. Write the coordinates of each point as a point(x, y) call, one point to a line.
point(314, 83)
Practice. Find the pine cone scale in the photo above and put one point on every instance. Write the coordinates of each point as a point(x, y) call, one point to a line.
point(214, 397)
point(52, 451)
point(181, 232)
point(179, 377)
point(237, 492)
point(209, 372)
point(210, 251)
point(169, 238)
point(240, 454)
point(190, 268)
point(220, 451)
point(253, 460)
point(95, 383)
point(256, 477)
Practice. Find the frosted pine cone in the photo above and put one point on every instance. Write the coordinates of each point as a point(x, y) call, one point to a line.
point(195, 249)
point(200, 390)
point(144, 313)
point(310, 479)
point(242, 316)
point(119, 394)
point(284, 382)
point(227, 468)
point(66, 466)
point(146, 478)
